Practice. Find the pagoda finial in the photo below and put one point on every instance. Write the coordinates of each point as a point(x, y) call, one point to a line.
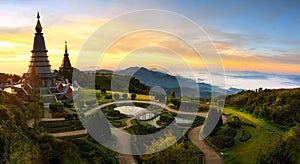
point(66, 47)
point(38, 27)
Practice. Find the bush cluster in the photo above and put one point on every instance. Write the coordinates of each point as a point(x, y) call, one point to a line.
point(234, 122)
point(246, 135)
point(56, 107)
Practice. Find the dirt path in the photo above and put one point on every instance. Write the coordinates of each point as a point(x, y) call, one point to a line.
point(210, 155)
point(128, 124)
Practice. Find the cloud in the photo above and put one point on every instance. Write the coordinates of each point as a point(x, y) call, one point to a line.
point(240, 48)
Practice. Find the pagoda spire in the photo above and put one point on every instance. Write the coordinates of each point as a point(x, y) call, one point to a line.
point(38, 27)
point(66, 64)
point(66, 47)
point(39, 58)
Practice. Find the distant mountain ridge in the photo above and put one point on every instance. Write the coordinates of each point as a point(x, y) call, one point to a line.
point(187, 86)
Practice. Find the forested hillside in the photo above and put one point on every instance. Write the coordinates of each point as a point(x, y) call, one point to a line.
point(22, 144)
point(103, 81)
point(280, 106)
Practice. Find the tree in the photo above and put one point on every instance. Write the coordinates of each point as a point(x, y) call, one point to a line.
point(34, 79)
point(103, 90)
point(116, 96)
point(179, 152)
point(160, 97)
point(125, 96)
point(35, 100)
point(172, 94)
point(279, 150)
point(176, 102)
point(133, 96)
point(17, 142)
point(56, 107)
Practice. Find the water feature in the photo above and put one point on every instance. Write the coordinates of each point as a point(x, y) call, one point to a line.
point(183, 121)
point(134, 111)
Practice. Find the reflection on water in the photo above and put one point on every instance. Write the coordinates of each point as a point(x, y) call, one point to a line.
point(144, 114)
point(130, 110)
point(138, 112)
point(183, 121)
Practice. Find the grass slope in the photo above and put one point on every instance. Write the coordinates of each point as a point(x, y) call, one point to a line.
point(246, 152)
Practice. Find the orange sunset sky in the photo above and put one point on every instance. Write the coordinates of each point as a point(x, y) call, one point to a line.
point(249, 36)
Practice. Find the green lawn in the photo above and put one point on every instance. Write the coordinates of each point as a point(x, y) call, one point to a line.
point(119, 123)
point(257, 121)
point(246, 152)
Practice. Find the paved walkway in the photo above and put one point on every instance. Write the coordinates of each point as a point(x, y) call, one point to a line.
point(53, 119)
point(47, 113)
point(128, 124)
point(123, 145)
point(70, 133)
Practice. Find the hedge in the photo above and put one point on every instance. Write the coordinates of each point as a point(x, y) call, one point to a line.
point(56, 107)
point(108, 96)
point(246, 135)
point(222, 141)
point(230, 132)
point(235, 123)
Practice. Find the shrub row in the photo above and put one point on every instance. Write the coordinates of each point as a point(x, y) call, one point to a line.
point(198, 121)
point(68, 103)
point(230, 132)
point(222, 141)
point(248, 124)
point(246, 135)
point(56, 107)
point(61, 126)
point(108, 96)
point(59, 114)
point(234, 122)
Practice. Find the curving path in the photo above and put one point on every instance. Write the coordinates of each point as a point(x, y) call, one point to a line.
point(95, 109)
point(210, 155)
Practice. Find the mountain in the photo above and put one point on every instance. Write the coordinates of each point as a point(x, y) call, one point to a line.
point(177, 83)
point(104, 71)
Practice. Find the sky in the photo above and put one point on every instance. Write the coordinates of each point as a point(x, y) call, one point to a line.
point(258, 36)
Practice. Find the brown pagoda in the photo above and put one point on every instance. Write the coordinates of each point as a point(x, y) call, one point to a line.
point(39, 59)
point(66, 69)
point(66, 64)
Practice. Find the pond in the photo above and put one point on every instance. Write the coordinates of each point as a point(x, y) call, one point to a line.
point(134, 111)
point(183, 121)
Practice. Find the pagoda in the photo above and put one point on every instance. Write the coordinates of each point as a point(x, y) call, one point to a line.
point(66, 69)
point(66, 64)
point(39, 59)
